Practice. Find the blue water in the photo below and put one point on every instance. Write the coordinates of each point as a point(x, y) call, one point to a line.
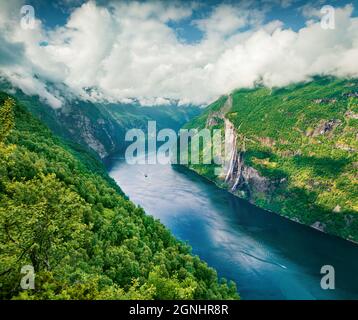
point(269, 257)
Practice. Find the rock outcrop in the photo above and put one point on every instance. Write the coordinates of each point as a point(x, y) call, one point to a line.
point(238, 175)
point(326, 127)
point(319, 226)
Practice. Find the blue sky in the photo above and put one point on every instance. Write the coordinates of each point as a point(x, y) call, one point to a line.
point(56, 13)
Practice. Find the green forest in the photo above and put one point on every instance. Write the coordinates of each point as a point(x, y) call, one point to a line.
point(302, 141)
point(61, 213)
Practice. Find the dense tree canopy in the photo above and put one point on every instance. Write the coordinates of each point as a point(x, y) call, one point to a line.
point(62, 214)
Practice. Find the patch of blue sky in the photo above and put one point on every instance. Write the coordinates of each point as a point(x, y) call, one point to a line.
point(56, 13)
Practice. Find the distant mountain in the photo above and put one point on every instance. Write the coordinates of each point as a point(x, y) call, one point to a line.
point(101, 126)
point(295, 151)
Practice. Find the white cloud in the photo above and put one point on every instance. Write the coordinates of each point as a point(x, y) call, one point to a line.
point(282, 3)
point(127, 51)
point(30, 85)
point(226, 19)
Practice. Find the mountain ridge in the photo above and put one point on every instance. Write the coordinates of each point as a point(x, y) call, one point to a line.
point(100, 127)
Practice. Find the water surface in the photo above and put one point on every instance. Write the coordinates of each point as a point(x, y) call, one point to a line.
point(268, 256)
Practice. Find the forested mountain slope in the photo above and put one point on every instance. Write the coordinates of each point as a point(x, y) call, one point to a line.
point(101, 127)
point(295, 151)
point(61, 214)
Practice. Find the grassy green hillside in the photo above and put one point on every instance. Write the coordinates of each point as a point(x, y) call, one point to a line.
point(301, 143)
point(62, 214)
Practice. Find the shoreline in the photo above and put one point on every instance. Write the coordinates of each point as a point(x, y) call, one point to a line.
point(267, 210)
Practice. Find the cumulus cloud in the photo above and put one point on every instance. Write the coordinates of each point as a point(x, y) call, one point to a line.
point(127, 50)
point(226, 19)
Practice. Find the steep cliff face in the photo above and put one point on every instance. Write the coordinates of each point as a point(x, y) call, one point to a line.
point(235, 175)
point(247, 181)
point(291, 150)
point(88, 135)
point(90, 126)
point(84, 123)
point(240, 178)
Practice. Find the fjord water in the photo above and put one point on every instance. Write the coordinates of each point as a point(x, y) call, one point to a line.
point(268, 256)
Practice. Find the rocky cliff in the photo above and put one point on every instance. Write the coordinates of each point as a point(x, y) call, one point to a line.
point(239, 178)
